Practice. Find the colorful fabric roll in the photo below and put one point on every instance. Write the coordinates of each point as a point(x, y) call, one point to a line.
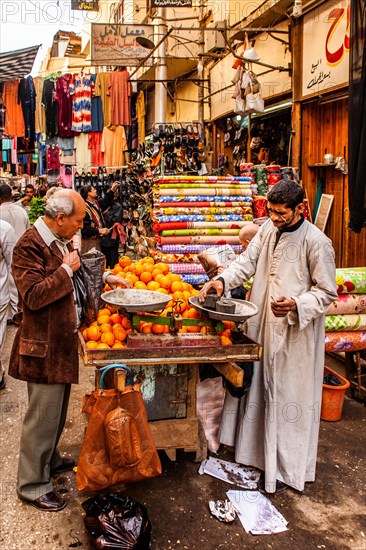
point(195, 279)
point(192, 269)
point(198, 225)
point(192, 249)
point(199, 239)
point(261, 178)
point(203, 204)
point(178, 258)
point(244, 197)
point(335, 323)
point(210, 179)
point(193, 232)
point(351, 280)
point(260, 207)
point(345, 341)
point(210, 210)
point(347, 304)
point(198, 218)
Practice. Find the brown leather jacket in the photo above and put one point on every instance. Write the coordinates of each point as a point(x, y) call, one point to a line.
point(45, 346)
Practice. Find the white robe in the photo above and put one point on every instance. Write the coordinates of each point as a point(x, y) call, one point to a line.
point(277, 423)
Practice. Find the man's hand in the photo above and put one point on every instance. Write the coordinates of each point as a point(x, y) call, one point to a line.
point(103, 231)
point(113, 281)
point(72, 259)
point(282, 306)
point(115, 185)
point(217, 285)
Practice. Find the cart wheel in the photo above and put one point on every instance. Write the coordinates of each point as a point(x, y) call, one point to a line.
point(201, 452)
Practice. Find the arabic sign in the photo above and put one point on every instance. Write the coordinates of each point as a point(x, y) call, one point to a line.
point(171, 3)
point(117, 45)
point(326, 42)
point(87, 5)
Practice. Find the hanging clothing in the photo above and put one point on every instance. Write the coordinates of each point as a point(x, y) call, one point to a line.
point(40, 118)
point(101, 90)
point(66, 176)
point(50, 107)
point(27, 98)
point(83, 154)
point(95, 144)
point(64, 99)
point(140, 115)
point(277, 427)
point(97, 121)
point(113, 145)
point(80, 91)
point(14, 122)
point(120, 92)
point(53, 157)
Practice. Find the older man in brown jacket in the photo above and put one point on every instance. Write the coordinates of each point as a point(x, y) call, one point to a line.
point(45, 352)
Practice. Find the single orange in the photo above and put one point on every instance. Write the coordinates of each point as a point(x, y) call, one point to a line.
point(104, 311)
point(157, 328)
point(193, 329)
point(146, 328)
point(153, 285)
point(108, 338)
point(105, 327)
point(119, 333)
point(191, 313)
point(228, 324)
point(102, 345)
point(125, 323)
point(176, 285)
point(101, 319)
point(194, 292)
point(178, 295)
point(85, 334)
point(132, 278)
point(180, 306)
point(225, 341)
point(118, 345)
point(91, 344)
point(165, 282)
point(140, 285)
point(116, 318)
point(226, 333)
point(149, 267)
point(146, 277)
point(117, 269)
point(159, 277)
point(124, 261)
point(94, 333)
point(139, 268)
point(175, 277)
point(162, 290)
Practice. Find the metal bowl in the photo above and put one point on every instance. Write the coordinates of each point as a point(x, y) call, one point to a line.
point(132, 300)
point(243, 310)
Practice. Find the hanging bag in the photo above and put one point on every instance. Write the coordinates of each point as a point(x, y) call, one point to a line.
point(253, 100)
point(118, 446)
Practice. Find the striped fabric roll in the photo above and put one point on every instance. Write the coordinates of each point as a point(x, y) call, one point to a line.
point(192, 232)
point(208, 210)
point(187, 268)
point(192, 248)
point(198, 218)
point(157, 227)
point(199, 239)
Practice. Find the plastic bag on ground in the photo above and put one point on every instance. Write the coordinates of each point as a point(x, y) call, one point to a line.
point(210, 402)
point(117, 522)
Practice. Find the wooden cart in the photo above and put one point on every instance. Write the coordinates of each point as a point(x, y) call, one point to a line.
point(170, 378)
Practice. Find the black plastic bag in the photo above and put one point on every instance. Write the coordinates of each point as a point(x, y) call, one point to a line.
point(91, 271)
point(117, 522)
point(80, 294)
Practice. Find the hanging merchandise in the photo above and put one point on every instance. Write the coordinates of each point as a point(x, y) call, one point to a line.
point(96, 108)
point(14, 121)
point(50, 106)
point(80, 91)
point(27, 97)
point(64, 100)
point(120, 91)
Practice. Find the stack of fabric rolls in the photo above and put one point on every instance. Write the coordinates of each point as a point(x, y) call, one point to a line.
point(345, 320)
point(192, 213)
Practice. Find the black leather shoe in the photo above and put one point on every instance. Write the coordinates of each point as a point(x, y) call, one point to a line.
point(2, 383)
point(66, 465)
point(50, 502)
point(280, 486)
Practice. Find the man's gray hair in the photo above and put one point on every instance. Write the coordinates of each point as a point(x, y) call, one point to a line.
point(57, 204)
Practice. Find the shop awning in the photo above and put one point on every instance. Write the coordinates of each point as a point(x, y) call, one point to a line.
point(17, 63)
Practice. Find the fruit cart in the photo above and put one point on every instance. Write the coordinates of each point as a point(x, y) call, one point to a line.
point(169, 364)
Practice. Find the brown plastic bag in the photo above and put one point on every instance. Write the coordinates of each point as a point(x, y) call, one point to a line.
point(118, 446)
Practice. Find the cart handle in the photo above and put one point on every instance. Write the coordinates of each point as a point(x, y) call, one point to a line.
point(116, 366)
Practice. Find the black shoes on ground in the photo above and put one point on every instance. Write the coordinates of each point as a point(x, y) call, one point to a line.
point(50, 502)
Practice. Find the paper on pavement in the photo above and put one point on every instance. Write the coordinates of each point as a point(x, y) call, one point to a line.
point(257, 513)
point(231, 472)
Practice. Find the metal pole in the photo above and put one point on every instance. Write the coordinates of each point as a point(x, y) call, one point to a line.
point(201, 70)
point(161, 94)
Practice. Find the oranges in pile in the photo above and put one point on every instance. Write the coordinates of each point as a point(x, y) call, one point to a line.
point(109, 331)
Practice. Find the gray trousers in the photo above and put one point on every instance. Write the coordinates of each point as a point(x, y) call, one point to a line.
point(42, 427)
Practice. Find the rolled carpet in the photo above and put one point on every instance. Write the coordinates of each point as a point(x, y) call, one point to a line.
point(351, 280)
point(354, 322)
point(347, 303)
point(345, 341)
